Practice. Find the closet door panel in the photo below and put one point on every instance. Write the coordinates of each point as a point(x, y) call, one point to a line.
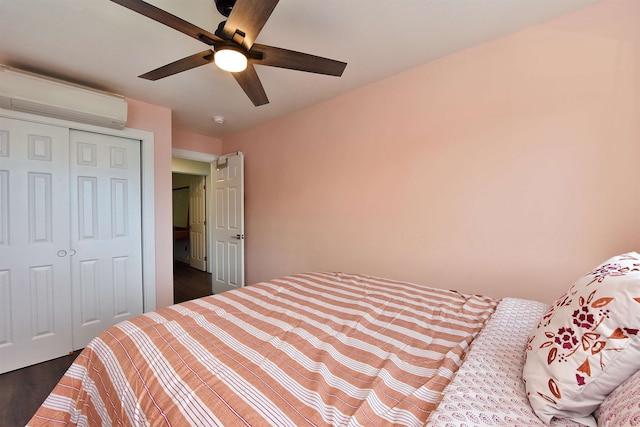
point(35, 281)
point(106, 236)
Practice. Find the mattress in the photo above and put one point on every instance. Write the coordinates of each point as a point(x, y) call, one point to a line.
point(310, 349)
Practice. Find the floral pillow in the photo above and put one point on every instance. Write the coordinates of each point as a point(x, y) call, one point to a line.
point(587, 343)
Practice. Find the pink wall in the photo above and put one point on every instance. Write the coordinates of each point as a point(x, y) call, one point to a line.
point(157, 119)
point(185, 140)
point(507, 169)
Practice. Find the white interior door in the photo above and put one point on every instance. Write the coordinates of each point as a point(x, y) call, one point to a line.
point(197, 227)
point(35, 282)
point(106, 261)
point(229, 223)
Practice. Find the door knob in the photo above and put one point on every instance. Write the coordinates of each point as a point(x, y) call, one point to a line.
point(238, 236)
point(61, 253)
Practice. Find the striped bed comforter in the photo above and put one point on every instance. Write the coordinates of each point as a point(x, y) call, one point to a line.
point(310, 349)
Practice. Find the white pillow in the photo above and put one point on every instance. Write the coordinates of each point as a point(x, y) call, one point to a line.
point(587, 344)
point(622, 407)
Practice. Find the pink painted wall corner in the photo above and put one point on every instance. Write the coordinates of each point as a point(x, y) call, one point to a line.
point(157, 119)
point(191, 141)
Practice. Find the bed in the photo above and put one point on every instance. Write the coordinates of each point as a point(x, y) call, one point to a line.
point(310, 349)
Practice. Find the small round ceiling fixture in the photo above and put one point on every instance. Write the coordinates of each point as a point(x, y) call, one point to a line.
point(218, 119)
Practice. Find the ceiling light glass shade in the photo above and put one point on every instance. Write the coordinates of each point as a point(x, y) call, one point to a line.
point(230, 59)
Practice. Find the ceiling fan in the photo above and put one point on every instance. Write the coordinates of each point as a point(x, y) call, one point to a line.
point(232, 45)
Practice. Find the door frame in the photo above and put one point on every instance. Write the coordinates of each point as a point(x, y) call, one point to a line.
point(147, 191)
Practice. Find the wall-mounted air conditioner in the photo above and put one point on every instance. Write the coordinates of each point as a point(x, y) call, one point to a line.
point(36, 94)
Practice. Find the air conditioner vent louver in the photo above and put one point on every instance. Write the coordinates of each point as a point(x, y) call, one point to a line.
point(35, 94)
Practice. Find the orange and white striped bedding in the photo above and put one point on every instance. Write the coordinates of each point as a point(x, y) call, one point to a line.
point(310, 349)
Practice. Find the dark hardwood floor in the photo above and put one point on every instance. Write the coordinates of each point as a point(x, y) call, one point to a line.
point(189, 283)
point(23, 391)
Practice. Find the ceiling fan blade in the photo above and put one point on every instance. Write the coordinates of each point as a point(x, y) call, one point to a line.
point(250, 83)
point(284, 58)
point(248, 17)
point(180, 65)
point(170, 20)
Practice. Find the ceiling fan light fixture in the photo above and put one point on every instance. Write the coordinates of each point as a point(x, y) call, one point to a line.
point(230, 58)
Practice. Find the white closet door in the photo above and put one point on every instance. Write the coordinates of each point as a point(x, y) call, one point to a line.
point(35, 285)
point(106, 232)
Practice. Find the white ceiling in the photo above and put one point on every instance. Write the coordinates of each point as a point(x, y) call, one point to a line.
point(106, 46)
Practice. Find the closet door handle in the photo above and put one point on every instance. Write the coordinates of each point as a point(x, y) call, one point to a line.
point(61, 253)
point(72, 252)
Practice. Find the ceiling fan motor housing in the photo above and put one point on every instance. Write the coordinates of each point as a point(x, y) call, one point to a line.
point(225, 6)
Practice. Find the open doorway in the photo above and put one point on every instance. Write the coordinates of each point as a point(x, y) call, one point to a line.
point(224, 247)
point(190, 276)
